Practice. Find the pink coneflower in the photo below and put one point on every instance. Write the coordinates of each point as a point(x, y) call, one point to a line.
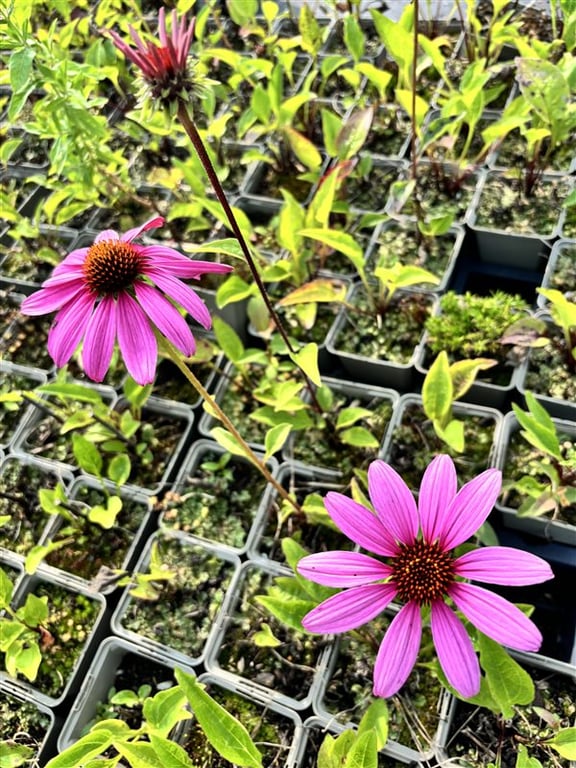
point(166, 67)
point(422, 570)
point(117, 289)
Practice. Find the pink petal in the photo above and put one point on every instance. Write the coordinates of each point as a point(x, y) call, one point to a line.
point(99, 339)
point(165, 317)
point(496, 617)
point(49, 299)
point(503, 565)
point(75, 259)
point(455, 650)
point(181, 294)
point(472, 505)
point(106, 235)
point(349, 609)
point(343, 569)
point(132, 234)
point(359, 524)
point(69, 327)
point(393, 502)
point(178, 265)
point(136, 340)
point(437, 489)
point(398, 651)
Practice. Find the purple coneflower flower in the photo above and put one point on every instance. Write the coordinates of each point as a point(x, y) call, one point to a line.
point(117, 289)
point(165, 66)
point(421, 570)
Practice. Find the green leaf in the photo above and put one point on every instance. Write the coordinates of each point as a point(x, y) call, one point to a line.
point(286, 608)
point(275, 439)
point(139, 754)
point(229, 442)
point(349, 416)
point(307, 359)
point(228, 340)
point(524, 760)
point(73, 392)
point(231, 290)
point(452, 434)
point(20, 67)
point(538, 427)
point(170, 753)
point(354, 132)
point(165, 709)
point(321, 290)
point(228, 736)
point(359, 437)
point(508, 682)
point(119, 469)
point(105, 516)
point(13, 755)
point(6, 588)
point(27, 660)
point(363, 753)
point(376, 718)
point(34, 611)
point(342, 242)
point(437, 391)
point(40, 551)
point(265, 638)
point(93, 744)
point(464, 372)
point(303, 148)
point(564, 742)
point(87, 455)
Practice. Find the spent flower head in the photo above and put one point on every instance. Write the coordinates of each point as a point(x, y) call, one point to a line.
point(116, 289)
point(166, 66)
point(420, 570)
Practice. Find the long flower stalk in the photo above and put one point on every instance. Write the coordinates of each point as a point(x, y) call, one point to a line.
point(176, 358)
point(171, 80)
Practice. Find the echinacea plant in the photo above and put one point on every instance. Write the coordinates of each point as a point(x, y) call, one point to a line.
point(422, 570)
point(170, 80)
point(118, 289)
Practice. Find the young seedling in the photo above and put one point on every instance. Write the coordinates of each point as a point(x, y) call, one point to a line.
point(549, 484)
point(445, 383)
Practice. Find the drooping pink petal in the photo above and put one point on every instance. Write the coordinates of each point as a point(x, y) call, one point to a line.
point(398, 651)
point(165, 317)
point(503, 565)
point(393, 502)
point(343, 569)
point(455, 650)
point(496, 617)
point(437, 489)
point(49, 299)
point(132, 234)
point(136, 340)
point(106, 235)
point(99, 339)
point(359, 524)
point(349, 609)
point(472, 505)
point(75, 259)
point(182, 295)
point(69, 327)
point(178, 265)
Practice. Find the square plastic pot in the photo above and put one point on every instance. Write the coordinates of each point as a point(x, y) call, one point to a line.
point(43, 581)
point(111, 654)
point(145, 622)
point(237, 511)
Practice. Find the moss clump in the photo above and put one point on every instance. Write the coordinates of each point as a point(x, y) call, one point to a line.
point(472, 326)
